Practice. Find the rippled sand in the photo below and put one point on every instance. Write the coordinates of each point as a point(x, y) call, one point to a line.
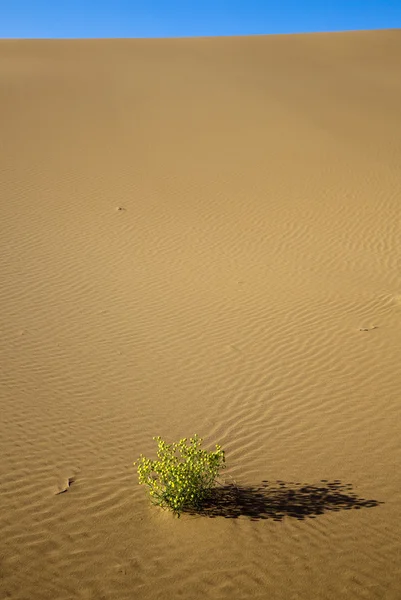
point(201, 235)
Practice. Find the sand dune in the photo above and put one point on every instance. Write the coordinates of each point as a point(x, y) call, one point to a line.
point(201, 235)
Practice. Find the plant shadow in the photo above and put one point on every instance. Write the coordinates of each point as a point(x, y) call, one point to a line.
point(279, 499)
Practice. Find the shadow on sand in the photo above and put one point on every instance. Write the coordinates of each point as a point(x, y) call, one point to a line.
point(279, 499)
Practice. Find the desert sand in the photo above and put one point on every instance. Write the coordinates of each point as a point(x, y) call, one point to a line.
point(201, 236)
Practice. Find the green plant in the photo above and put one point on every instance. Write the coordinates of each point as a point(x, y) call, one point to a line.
point(183, 474)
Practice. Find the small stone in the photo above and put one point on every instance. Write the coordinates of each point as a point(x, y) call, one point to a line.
point(69, 481)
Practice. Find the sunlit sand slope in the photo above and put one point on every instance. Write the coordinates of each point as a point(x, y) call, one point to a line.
point(201, 235)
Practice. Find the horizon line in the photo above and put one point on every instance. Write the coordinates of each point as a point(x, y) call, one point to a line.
point(189, 37)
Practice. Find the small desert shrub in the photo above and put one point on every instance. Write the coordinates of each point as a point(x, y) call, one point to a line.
point(183, 474)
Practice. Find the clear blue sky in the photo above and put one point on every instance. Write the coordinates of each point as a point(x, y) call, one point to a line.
point(177, 18)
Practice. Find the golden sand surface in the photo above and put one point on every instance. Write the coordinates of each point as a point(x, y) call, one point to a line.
point(201, 236)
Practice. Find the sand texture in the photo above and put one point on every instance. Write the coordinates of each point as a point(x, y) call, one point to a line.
point(201, 236)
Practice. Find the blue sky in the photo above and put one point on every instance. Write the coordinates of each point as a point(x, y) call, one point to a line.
point(178, 18)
